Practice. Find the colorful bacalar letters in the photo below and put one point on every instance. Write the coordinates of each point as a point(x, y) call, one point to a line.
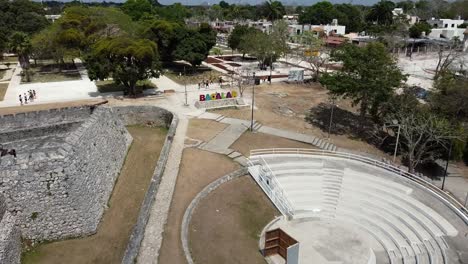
point(218, 96)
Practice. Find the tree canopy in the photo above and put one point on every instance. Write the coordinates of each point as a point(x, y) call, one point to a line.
point(381, 13)
point(369, 76)
point(416, 30)
point(125, 59)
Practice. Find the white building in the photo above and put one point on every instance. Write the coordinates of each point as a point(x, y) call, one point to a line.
point(446, 28)
point(330, 29)
point(398, 12)
point(445, 23)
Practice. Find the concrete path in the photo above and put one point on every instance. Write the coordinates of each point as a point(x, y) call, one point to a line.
point(315, 141)
point(227, 137)
point(51, 92)
point(152, 241)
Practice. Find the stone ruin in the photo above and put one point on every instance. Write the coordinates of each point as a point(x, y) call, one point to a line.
point(58, 168)
point(66, 163)
point(10, 241)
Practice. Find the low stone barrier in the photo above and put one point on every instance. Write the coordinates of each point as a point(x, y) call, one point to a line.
point(184, 235)
point(152, 114)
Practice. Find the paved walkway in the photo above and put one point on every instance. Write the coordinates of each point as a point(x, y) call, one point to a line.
point(51, 92)
point(315, 141)
point(152, 241)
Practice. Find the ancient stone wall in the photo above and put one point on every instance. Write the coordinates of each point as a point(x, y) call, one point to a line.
point(41, 118)
point(144, 114)
point(10, 241)
point(66, 165)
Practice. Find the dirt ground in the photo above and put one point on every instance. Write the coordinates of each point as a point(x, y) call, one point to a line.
point(204, 129)
point(226, 225)
point(285, 106)
point(3, 89)
point(198, 169)
point(249, 141)
point(109, 243)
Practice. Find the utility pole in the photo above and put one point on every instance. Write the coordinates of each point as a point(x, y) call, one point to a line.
point(331, 117)
point(397, 141)
point(253, 102)
point(446, 165)
point(185, 86)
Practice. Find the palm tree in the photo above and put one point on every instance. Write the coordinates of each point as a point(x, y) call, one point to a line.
point(274, 10)
point(21, 45)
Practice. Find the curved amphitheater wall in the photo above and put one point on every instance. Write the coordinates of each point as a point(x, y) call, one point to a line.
point(67, 163)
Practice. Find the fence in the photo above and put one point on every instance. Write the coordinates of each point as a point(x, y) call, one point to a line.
point(271, 186)
point(454, 204)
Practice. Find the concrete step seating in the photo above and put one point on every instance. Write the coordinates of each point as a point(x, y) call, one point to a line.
point(410, 231)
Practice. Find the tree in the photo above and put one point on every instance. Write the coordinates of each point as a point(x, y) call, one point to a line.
point(368, 76)
point(318, 14)
point(136, 8)
point(192, 49)
point(350, 16)
point(208, 34)
point(424, 136)
point(236, 36)
point(20, 44)
point(314, 52)
point(175, 12)
point(223, 5)
point(416, 30)
point(273, 10)
point(266, 48)
point(450, 96)
point(381, 13)
point(125, 59)
point(446, 55)
point(164, 33)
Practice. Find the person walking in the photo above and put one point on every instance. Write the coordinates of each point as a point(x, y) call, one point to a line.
point(34, 93)
point(25, 99)
point(21, 99)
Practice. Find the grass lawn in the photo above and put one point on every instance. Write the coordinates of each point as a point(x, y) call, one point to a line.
point(51, 72)
point(226, 225)
point(109, 243)
point(221, 51)
point(3, 89)
point(109, 86)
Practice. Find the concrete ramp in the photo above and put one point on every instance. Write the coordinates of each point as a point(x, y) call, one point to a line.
point(226, 138)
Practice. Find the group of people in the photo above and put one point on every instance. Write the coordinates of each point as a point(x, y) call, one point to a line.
point(30, 96)
point(206, 83)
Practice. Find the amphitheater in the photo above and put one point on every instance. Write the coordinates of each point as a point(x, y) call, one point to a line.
point(344, 208)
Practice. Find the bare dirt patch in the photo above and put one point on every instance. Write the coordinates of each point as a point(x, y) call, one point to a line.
point(204, 129)
point(249, 141)
point(198, 169)
point(3, 89)
point(226, 225)
point(285, 106)
point(109, 243)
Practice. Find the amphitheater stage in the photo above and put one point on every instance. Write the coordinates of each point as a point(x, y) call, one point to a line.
point(329, 241)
